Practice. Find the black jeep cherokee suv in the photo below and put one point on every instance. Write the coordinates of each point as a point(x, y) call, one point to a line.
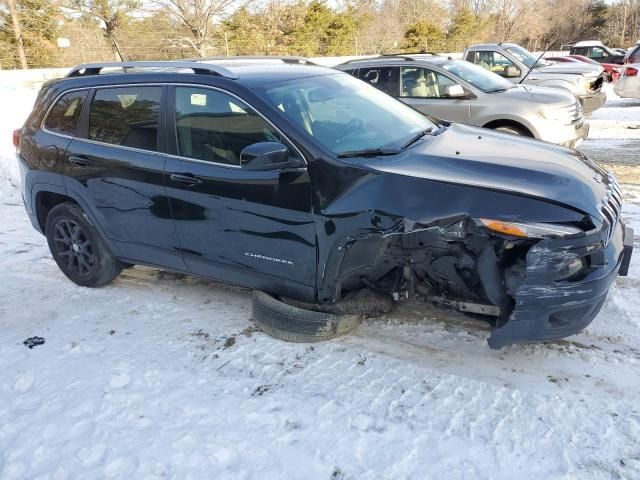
point(306, 183)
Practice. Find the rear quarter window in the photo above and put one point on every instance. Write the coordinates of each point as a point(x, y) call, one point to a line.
point(63, 117)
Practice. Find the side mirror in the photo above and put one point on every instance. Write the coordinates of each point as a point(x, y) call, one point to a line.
point(511, 72)
point(455, 91)
point(265, 156)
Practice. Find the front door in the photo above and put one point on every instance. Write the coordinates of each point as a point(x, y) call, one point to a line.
point(114, 166)
point(249, 227)
point(425, 90)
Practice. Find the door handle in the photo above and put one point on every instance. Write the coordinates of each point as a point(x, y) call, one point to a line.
point(187, 179)
point(80, 161)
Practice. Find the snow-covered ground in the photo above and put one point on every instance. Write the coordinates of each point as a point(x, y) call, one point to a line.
point(160, 376)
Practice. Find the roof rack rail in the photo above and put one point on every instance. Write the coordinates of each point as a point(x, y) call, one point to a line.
point(405, 56)
point(408, 54)
point(88, 69)
point(284, 58)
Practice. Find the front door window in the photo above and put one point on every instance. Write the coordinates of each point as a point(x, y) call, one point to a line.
point(418, 82)
point(493, 61)
point(215, 127)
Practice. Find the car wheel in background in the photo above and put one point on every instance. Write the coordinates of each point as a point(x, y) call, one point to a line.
point(77, 247)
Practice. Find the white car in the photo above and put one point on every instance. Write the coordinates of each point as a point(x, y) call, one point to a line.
point(628, 85)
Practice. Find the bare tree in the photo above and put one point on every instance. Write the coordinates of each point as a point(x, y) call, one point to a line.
point(17, 31)
point(112, 13)
point(199, 16)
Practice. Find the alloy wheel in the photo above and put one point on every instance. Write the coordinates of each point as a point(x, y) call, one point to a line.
point(73, 248)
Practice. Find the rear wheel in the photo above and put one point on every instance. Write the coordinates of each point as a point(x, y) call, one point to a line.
point(78, 249)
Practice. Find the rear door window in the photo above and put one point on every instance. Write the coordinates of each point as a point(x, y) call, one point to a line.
point(126, 116)
point(63, 117)
point(380, 77)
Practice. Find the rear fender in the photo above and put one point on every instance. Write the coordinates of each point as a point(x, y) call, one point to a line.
point(55, 187)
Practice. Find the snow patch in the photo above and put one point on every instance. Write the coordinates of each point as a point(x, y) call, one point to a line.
point(134, 380)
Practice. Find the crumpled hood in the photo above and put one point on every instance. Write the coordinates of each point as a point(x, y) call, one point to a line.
point(542, 95)
point(484, 158)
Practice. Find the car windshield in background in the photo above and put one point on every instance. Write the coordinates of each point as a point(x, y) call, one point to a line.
point(525, 56)
point(478, 77)
point(345, 114)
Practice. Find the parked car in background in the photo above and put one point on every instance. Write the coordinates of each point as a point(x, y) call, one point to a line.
point(518, 65)
point(633, 55)
point(312, 186)
point(462, 92)
point(612, 70)
point(595, 50)
point(628, 85)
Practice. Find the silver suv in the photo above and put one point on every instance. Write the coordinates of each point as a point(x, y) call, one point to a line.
point(517, 64)
point(462, 92)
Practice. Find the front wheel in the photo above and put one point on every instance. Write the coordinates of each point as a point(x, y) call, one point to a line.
point(511, 130)
point(78, 249)
point(294, 324)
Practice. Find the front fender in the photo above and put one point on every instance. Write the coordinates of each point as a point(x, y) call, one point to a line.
point(510, 118)
point(368, 210)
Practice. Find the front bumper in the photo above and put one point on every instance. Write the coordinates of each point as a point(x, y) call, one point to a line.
point(592, 101)
point(546, 308)
point(567, 135)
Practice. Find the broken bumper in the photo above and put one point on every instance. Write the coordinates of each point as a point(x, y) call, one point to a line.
point(592, 101)
point(547, 308)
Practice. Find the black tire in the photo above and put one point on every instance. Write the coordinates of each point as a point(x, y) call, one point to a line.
point(513, 130)
point(363, 302)
point(78, 248)
point(293, 324)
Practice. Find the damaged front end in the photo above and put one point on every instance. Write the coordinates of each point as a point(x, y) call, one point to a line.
point(539, 281)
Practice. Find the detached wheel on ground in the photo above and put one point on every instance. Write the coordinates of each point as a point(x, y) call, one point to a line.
point(294, 324)
point(77, 247)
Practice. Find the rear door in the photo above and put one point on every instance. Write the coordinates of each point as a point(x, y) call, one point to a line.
point(425, 90)
point(253, 228)
point(114, 166)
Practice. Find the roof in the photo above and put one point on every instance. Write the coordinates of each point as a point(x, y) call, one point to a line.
point(383, 59)
point(589, 43)
point(491, 46)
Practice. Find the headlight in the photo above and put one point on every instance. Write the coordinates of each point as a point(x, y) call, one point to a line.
point(528, 230)
point(554, 113)
point(584, 83)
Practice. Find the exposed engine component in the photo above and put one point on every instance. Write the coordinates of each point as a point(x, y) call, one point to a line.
point(453, 262)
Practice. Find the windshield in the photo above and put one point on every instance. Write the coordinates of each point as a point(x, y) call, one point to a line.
point(525, 56)
point(478, 76)
point(345, 114)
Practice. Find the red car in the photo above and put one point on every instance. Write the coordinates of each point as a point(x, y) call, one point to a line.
point(612, 70)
